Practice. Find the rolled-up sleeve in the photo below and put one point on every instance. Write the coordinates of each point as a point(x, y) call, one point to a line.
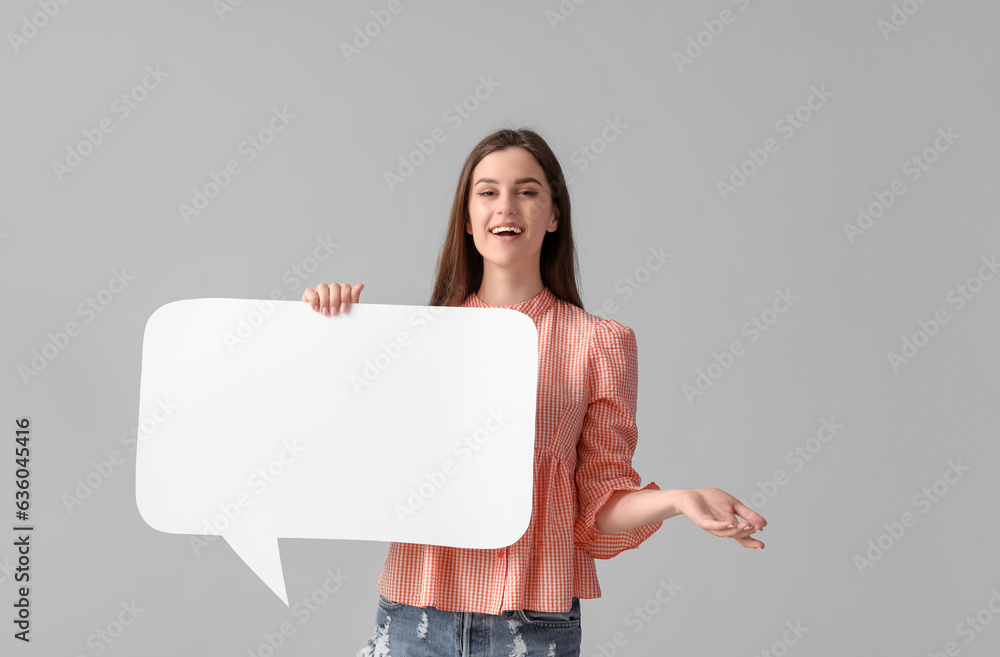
point(608, 439)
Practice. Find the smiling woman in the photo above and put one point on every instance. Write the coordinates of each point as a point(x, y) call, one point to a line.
point(509, 244)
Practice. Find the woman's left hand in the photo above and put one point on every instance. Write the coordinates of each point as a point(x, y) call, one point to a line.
point(716, 512)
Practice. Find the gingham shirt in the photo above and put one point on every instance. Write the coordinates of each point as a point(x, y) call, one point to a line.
point(585, 435)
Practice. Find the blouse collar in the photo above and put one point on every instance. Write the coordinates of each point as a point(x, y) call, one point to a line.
point(534, 307)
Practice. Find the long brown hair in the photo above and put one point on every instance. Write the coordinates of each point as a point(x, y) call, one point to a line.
point(460, 265)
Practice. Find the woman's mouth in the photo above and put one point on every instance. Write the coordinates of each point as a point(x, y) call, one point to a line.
point(506, 233)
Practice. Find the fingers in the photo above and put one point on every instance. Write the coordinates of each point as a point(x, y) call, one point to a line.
point(345, 298)
point(750, 516)
point(734, 529)
point(311, 297)
point(348, 294)
point(741, 532)
point(324, 296)
point(711, 524)
point(750, 542)
point(334, 298)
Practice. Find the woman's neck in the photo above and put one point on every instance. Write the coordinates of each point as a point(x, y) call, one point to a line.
point(501, 290)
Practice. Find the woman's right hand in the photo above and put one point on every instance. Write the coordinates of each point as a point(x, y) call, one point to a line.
point(333, 298)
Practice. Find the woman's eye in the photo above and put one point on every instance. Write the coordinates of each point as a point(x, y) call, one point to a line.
point(529, 192)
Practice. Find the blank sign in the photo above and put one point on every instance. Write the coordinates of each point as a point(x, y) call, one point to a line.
point(264, 419)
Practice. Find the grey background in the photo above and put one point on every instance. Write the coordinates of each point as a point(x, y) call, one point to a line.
point(653, 186)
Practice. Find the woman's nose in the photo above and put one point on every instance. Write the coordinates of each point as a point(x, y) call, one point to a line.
point(505, 204)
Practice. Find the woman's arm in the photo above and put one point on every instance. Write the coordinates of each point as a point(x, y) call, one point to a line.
point(712, 509)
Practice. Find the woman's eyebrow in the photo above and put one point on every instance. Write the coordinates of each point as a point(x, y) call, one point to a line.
point(516, 182)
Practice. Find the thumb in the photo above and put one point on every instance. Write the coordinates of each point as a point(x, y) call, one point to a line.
point(356, 292)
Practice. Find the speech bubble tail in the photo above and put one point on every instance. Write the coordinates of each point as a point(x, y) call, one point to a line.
point(261, 554)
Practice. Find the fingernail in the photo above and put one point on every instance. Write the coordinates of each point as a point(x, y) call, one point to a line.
point(323, 310)
point(343, 307)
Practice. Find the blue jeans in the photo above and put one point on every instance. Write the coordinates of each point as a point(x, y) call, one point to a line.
point(406, 631)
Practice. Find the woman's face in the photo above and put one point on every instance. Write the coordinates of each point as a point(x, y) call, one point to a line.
point(509, 188)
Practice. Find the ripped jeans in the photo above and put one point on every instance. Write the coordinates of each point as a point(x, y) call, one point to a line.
point(406, 631)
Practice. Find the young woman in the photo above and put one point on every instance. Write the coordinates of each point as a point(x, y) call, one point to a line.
point(510, 245)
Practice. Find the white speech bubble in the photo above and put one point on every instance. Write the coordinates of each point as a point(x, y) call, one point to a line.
point(387, 423)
